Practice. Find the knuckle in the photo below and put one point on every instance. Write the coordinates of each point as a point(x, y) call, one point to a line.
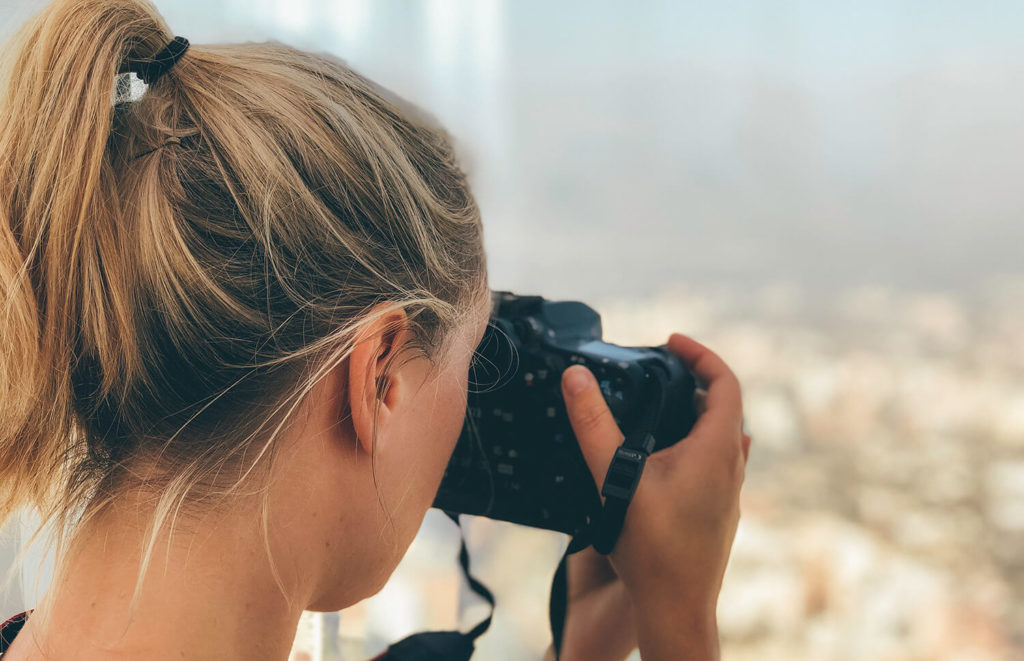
point(731, 453)
point(591, 416)
point(732, 381)
point(728, 471)
point(741, 471)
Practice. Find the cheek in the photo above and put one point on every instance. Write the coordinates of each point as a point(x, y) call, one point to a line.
point(422, 464)
point(449, 420)
point(457, 413)
point(449, 417)
point(430, 441)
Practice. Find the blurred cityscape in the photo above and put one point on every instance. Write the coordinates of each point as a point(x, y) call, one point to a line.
point(839, 185)
point(883, 512)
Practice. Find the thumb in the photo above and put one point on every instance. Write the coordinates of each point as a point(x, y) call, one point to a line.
point(591, 420)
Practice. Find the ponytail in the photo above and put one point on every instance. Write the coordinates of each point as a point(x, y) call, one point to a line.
point(57, 219)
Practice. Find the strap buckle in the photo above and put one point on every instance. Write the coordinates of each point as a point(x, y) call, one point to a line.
point(620, 483)
point(623, 474)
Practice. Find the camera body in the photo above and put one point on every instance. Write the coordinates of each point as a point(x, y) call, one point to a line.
point(517, 458)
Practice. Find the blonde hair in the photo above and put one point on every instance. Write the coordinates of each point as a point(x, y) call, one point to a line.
point(178, 270)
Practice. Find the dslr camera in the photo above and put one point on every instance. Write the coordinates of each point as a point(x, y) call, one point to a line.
point(517, 458)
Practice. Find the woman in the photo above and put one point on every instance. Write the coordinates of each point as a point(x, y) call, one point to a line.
point(239, 314)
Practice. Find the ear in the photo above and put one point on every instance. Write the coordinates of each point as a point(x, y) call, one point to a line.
point(375, 346)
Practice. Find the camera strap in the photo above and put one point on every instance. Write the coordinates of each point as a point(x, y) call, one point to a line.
point(445, 645)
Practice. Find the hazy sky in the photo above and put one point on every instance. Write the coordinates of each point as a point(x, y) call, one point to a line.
point(621, 147)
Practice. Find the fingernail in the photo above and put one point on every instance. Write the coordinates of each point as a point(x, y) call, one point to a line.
point(577, 378)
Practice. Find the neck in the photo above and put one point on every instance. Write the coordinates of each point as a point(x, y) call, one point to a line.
point(209, 590)
point(210, 594)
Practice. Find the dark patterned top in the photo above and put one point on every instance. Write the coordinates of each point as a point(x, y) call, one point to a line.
point(10, 629)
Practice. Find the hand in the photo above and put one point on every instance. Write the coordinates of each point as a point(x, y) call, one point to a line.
point(676, 538)
point(599, 613)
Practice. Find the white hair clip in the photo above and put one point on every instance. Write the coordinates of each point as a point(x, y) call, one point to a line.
point(128, 88)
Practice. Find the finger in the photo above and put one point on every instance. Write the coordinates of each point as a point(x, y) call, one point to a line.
point(591, 420)
point(723, 402)
point(746, 447)
point(709, 368)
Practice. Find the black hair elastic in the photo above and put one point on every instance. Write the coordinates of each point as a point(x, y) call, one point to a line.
point(150, 70)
